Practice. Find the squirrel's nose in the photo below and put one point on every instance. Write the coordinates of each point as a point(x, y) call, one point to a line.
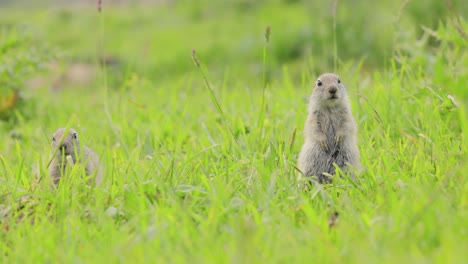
point(63, 147)
point(332, 90)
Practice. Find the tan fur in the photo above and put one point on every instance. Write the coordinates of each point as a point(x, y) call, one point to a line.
point(330, 131)
point(68, 144)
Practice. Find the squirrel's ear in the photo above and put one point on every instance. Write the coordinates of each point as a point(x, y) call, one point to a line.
point(75, 135)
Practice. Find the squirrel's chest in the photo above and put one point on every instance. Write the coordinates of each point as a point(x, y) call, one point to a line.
point(329, 124)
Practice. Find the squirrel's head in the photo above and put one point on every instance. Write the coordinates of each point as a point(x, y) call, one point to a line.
point(328, 90)
point(65, 142)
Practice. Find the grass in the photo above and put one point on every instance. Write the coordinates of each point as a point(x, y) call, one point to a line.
point(192, 174)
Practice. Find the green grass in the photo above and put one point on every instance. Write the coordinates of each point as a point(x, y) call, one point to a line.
point(188, 181)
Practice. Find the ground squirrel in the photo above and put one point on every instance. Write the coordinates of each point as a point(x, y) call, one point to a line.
point(330, 131)
point(67, 150)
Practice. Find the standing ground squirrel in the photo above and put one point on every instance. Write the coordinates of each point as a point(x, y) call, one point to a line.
point(330, 131)
point(67, 149)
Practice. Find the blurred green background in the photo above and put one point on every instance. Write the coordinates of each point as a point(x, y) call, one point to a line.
point(155, 38)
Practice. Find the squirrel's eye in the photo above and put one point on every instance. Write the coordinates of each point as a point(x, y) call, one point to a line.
point(339, 81)
point(319, 83)
point(75, 136)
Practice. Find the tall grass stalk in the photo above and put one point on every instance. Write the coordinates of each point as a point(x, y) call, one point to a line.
point(213, 98)
point(261, 117)
point(100, 55)
point(335, 45)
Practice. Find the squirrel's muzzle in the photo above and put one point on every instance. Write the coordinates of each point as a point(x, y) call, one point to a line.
point(332, 92)
point(63, 148)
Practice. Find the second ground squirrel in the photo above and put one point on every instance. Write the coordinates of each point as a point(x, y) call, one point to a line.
point(68, 151)
point(330, 131)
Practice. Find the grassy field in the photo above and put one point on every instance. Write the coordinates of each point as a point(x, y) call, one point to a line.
point(188, 181)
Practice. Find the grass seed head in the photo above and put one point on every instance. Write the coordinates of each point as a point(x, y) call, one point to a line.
point(195, 58)
point(267, 33)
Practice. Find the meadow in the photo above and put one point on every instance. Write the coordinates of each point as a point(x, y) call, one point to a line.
point(197, 111)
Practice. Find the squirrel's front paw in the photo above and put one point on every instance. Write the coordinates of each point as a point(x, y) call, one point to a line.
point(338, 139)
point(324, 145)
